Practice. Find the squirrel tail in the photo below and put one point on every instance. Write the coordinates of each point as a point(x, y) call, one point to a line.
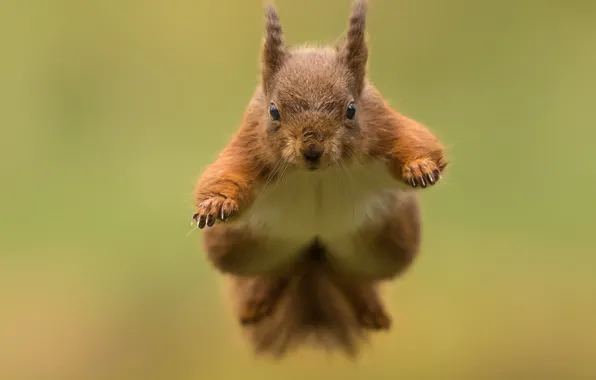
point(313, 310)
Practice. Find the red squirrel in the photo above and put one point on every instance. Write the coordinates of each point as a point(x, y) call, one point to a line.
point(313, 202)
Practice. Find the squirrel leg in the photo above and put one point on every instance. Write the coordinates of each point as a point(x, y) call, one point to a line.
point(369, 308)
point(225, 189)
point(395, 241)
point(416, 155)
point(262, 296)
point(386, 245)
point(239, 250)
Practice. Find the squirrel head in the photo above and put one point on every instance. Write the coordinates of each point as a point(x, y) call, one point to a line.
point(311, 95)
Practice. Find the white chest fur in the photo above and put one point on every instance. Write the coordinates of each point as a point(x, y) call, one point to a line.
point(330, 204)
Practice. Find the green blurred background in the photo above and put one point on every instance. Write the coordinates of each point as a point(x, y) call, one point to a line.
point(110, 110)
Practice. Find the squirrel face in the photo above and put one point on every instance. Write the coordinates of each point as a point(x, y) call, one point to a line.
point(312, 111)
point(311, 95)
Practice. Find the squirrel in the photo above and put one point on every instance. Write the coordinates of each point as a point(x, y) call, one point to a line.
point(313, 203)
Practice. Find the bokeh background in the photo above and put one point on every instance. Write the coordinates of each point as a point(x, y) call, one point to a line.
point(110, 110)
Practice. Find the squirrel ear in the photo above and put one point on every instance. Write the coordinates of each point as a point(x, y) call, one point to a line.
point(355, 49)
point(274, 50)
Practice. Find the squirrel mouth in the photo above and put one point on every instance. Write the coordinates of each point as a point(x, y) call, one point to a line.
point(312, 156)
point(312, 165)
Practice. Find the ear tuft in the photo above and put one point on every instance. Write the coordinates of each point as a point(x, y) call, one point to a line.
point(355, 50)
point(274, 50)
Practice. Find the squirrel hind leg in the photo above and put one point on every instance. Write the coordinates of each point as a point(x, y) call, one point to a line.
point(368, 306)
point(262, 297)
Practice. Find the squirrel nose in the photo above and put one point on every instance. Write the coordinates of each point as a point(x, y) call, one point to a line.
point(312, 154)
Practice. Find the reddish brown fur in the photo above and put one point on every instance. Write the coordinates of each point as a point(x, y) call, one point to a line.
point(312, 307)
point(275, 307)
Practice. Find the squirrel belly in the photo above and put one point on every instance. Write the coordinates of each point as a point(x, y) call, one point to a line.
point(333, 205)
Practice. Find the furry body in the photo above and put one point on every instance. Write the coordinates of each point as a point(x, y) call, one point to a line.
point(332, 205)
point(312, 203)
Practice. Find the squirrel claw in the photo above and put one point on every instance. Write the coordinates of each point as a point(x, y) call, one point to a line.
point(214, 209)
point(423, 173)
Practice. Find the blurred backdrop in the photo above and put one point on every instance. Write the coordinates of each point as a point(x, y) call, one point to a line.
point(110, 110)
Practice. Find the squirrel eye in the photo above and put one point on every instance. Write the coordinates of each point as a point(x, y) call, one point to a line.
point(274, 112)
point(351, 111)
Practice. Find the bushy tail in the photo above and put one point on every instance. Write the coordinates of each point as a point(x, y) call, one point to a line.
point(313, 311)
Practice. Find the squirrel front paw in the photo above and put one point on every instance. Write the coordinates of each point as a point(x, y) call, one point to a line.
point(422, 172)
point(212, 209)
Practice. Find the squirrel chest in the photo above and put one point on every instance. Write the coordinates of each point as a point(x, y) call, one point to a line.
point(329, 204)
